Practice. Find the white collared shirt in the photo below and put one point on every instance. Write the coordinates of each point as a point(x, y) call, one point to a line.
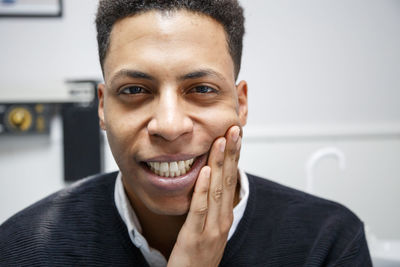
point(153, 256)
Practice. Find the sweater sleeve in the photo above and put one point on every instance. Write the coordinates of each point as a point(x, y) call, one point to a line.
point(356, 253)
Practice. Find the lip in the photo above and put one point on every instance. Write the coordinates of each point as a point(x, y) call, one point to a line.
point(178, 183)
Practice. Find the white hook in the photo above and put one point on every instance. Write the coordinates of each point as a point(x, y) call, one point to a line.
point(315, 157)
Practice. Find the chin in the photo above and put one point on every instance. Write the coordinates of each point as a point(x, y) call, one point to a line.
point(170, 208)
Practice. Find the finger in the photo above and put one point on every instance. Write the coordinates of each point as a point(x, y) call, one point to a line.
point(197, 214)
point(216, 162)
point(230, 173)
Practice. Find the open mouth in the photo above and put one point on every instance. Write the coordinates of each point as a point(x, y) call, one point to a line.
point(174, 174)
point(171, 169)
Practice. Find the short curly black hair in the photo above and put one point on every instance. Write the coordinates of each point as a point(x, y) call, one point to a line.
point(227, 12)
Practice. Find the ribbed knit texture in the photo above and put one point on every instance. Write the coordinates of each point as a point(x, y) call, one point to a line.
point(80, 226)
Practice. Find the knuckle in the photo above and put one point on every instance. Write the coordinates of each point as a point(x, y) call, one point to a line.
point(220, 163)
point(200, 191)
point(232, 150)
point(214, 235)
point(237, 158)
point(230, 180)
point(217, 194)
point(201, 210)
point(198, 244)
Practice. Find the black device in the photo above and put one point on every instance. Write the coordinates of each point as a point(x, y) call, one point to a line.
point(82, 139)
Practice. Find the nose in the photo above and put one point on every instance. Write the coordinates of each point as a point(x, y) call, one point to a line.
point(169, 120)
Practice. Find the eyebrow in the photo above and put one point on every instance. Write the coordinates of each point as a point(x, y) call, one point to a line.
point(200, 74)
point(132, 74)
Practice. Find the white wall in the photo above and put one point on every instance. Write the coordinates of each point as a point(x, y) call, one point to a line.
point(39, 54)
point(320, 73)
point(323, 62)
point(326, 73)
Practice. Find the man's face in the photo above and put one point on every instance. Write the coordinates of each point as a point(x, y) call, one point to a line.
point(169, 92)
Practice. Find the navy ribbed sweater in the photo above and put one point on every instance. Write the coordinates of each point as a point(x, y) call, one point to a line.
point(80, 226)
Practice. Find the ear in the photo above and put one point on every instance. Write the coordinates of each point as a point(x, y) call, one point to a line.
point(100, 94)
point(241, 90)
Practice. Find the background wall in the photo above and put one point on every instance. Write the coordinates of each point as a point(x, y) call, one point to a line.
point(39, 54)
point(325, 73)
point(320, 73)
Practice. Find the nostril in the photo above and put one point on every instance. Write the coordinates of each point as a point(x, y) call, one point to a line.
point(170, 130)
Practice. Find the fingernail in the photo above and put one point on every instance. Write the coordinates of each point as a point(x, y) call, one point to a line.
point(222, 145)
point(235, 134)
point(206, 171)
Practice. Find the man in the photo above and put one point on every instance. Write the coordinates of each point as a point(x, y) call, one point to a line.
point(173, 114)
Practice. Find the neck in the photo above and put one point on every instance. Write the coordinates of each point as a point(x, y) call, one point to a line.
point(161, 231)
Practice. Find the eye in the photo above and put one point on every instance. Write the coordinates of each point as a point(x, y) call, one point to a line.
point(132, 90)
point(203, 89)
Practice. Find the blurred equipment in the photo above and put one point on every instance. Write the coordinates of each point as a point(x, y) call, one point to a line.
point(25, 118)
point(23, 115)
point(81, 131)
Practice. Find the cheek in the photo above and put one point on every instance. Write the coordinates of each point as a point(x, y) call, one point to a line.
point(217, 121)
point(123, 130)
point(117, 144)
point(122, 120)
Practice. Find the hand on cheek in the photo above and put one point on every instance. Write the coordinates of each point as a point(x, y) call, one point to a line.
point(202, 239)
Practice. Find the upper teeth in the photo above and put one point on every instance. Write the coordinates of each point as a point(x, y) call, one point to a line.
point(171, 169)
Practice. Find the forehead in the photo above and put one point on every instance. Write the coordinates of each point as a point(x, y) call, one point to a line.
point(171, 38)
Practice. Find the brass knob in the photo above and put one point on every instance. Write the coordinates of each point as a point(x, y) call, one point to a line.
point(20, 118)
